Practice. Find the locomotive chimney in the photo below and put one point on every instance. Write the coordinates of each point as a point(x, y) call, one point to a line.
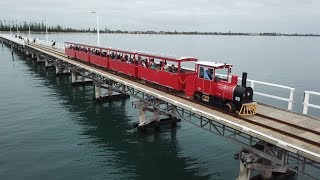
point(244, 79)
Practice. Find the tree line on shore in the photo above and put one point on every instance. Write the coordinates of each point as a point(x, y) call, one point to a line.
point(40, 27)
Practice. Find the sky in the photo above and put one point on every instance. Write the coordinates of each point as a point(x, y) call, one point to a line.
point(283, 16)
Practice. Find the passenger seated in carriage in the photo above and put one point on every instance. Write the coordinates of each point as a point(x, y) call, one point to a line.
point(173, 69)
point(153, 64)
point(208, 74)
point(119, 57)
point(165, 66)
point(129, 59)
point(160, 66)
point(143, 63)
point(112, 55)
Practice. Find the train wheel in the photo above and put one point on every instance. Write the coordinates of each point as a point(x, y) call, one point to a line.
point(230, 107)
point(197, 97)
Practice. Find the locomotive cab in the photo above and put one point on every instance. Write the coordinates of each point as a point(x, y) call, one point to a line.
point(222, 90)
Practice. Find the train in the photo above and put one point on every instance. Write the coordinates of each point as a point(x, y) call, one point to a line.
point(203, 83)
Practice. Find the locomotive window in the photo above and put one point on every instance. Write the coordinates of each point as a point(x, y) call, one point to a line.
point(221, 74)
point(201, 71)
point(206, 73)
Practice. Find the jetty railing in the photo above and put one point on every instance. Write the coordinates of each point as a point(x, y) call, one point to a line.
point(306, 102)
point(288, 99)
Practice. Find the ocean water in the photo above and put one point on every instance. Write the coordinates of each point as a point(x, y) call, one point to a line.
point(52, 130)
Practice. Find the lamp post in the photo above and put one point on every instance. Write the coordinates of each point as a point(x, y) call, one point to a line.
point(4, 24)
point(11, 26)
point(29, 30)
point(28, 26)
point(98, 36)
point(17, 27)
point(46, 31)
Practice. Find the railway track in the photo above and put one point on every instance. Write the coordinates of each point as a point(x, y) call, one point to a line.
point(278, 125)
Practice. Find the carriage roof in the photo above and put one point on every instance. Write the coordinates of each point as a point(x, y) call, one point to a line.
point(213, 64)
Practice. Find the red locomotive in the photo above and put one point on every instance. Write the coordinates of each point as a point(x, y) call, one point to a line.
point(210, 87)
point(204, 83)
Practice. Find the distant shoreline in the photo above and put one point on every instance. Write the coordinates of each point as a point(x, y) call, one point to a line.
point(178, 33)
point(40, 27)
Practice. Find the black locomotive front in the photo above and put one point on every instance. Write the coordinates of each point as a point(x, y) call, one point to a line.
point(243, 97)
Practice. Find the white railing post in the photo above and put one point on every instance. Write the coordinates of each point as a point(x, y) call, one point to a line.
point(290, 103)
point(252, 85)
point(306, 102)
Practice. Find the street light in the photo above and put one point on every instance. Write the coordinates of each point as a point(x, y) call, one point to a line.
point(17, 27)
point(4, 24)
point(11, 26)
point(29, 27)
point(98, 37)
point(46, 31)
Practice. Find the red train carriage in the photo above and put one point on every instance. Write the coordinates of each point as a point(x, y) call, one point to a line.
point(165, 71)
point(123, 61)
point(92, 54)
point(83, 53)
point(99, 56)
point(210, 87)
point(80, 51)
point(70, 50)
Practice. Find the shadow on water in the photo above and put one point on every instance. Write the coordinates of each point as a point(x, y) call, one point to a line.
point(110, 128)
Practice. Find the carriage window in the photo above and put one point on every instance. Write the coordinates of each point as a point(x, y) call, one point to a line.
point(170, 66)
point(187, 67)
point(129, 58)
point(104, 54)
point(143, 61)
point(97, 52)
point(113, 55)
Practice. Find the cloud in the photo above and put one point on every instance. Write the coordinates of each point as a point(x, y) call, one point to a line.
point(201, 15)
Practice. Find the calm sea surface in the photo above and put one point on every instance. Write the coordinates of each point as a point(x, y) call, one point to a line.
point(52, 130)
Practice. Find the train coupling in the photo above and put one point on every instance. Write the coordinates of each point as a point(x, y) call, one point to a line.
point(248, 109)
